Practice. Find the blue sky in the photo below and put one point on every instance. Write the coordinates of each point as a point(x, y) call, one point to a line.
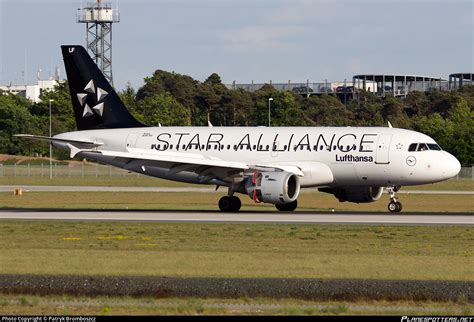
point(245, 40)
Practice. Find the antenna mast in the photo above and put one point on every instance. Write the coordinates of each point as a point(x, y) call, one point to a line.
point(98, 17)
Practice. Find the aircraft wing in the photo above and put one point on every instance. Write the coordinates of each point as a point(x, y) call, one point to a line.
point(192, 159)
point(207, 168)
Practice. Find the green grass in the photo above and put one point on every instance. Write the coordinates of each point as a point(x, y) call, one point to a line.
point(36, 162)
point(237, 250)
point(10, 161)
point(103, 181)
point(452, 184)
point(208, 201)
point(134, 180)
point(32, 162)
point(66, 305)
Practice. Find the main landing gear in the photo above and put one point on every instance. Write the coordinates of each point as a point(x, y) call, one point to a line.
point(394, 205)
point(287, 206)
point(229, 204)
point(233, 204)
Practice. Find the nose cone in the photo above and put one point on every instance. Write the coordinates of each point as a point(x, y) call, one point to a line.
point(451, 166)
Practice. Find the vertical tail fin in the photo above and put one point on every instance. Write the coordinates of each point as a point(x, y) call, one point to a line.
point(96, 104)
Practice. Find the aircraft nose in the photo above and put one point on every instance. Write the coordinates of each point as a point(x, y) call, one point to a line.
point(452, 166)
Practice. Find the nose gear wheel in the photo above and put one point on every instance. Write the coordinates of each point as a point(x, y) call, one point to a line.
point(394, 205)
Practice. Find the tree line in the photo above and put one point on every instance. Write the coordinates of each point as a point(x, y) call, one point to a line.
point(171, 99)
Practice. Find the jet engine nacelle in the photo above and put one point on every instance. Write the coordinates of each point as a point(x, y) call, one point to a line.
point(359, 194)
point(279, 187)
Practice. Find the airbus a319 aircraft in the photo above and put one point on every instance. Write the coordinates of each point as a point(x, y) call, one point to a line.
point(269, 164)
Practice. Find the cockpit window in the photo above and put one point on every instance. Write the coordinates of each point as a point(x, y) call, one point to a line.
point(412, 147)
point(422, 147)
point(435, 147)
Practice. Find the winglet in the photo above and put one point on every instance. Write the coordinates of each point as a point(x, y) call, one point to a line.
point(389, 124)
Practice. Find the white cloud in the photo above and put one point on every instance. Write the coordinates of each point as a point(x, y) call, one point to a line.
point(286, 24)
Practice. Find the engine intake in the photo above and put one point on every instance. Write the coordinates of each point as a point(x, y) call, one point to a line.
point(359, 194)
point(278, 187)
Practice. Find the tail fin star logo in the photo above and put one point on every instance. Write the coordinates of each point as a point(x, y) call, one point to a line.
point(97, 95)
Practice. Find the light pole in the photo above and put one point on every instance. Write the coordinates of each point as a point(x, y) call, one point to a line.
point(269, 100)
point(50, 144)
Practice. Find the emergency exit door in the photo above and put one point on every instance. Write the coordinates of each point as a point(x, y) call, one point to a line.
point(131, 140)
point(382, 155)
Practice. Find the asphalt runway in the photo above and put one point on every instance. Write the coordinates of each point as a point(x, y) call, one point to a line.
point(242, 217)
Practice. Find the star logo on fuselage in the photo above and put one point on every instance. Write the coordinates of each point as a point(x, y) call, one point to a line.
point(98, 94)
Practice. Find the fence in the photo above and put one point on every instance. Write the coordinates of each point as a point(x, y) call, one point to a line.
point(466, 173)
point(82, 170)
point(98, 170)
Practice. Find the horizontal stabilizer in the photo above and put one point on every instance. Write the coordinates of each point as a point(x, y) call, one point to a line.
point(53, 139)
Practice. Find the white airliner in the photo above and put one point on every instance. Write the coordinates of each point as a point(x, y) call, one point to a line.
point(269, 164)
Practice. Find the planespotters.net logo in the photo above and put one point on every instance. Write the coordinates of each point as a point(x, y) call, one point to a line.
point(437, 319)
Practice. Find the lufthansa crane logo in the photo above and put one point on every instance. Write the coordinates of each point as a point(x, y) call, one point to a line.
point(411, 160)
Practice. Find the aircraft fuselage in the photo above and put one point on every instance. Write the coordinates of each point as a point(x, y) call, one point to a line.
point(367, 156)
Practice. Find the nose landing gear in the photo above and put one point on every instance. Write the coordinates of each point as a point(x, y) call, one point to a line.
point(394, 205)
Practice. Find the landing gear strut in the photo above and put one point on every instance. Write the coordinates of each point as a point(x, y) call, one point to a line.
point(229, 204)
point(394, 205)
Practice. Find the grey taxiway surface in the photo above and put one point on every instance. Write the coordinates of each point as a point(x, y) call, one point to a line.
point(216, 216)
point(242, 217)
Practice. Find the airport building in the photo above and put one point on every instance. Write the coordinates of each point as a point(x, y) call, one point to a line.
point(31, 92)
point(382, 85)
point(458, 80)
point(378, 84)
point(399, 85)
point(308, 88)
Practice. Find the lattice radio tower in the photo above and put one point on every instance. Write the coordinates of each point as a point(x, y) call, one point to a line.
point(98, 17)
